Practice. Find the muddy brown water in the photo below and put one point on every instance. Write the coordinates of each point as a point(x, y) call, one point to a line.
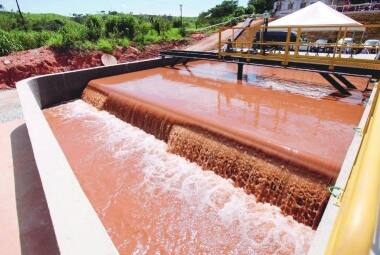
point(297, 125)
point(270, 134)
point(155, 202)
point(280, 135)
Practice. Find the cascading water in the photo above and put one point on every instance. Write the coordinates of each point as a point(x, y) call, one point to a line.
point(151, 120)
point(154, 202)
point(298, 193)
point(271, 143)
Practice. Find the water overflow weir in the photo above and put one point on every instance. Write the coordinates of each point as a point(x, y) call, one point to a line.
point(281, 141)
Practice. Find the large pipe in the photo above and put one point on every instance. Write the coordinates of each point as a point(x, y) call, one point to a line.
point(358, 217)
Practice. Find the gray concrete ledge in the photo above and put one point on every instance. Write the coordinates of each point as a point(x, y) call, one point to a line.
point(76, 225)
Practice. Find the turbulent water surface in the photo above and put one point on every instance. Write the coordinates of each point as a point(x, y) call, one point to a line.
point(154, 202)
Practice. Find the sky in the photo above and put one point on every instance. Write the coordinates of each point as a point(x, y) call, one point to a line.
point(68, 7)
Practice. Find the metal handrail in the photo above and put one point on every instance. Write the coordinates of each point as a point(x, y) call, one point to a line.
point(334, 57)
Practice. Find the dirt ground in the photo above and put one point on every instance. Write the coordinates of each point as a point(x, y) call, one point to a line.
point(24, 64)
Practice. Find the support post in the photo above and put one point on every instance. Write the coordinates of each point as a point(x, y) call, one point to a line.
point(335, 84)
point(298, 42)
point(287, 46)
point(331, 67)
point(219, 43)
point(344, 81)
point(240, 71)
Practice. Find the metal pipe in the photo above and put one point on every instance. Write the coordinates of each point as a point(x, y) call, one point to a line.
point(355, 226)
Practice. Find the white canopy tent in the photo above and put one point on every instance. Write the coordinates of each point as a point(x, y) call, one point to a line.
point(317, 14)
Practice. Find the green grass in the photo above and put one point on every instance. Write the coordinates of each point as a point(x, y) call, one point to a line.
point(87, 32)
point(32, 39)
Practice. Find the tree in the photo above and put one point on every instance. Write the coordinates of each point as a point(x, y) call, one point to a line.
point(219, 13)
point(261, 6)
point(240, 10)
point(226, 8)
point(1, 7)
point(161, 25)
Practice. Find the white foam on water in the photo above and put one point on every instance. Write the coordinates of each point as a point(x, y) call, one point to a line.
point(260, 228)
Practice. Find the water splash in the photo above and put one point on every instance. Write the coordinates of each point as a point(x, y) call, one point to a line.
point(161, 202)
point(296, 191)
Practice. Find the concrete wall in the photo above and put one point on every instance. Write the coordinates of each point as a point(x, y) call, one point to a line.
point(56, 88)
point(76, 225)
point(282, 7)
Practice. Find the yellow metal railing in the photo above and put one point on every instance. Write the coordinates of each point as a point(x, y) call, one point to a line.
point(357, 219)
point(338, 54)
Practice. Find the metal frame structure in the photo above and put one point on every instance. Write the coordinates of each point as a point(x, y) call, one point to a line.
point(202, 55)
point(288, 54)
point(290, 51)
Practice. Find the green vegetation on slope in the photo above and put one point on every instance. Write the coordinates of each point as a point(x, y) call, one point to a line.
point(87, 32)
point(229, 9)
point(106, 31)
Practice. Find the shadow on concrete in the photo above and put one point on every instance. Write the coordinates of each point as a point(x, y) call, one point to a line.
point(35, 226)
point(375, 249)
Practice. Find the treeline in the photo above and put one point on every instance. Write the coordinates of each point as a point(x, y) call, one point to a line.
point(87, 32)
point(105, 31)
point(229, 9)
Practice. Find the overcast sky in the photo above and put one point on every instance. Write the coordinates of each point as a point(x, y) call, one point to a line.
point(68, 7)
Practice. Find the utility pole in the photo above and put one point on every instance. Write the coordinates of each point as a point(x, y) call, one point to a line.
point(22, 17)
point(180, 9)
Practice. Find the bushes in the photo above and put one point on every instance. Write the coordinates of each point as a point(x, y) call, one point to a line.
point(161, 25)
point(50, 25)
point(56, 41)
point(105, 45)
point(173, 34)
point(31, 40)
point(127, 26)
point(150, 37)
point(94, 27)
point(68, 37)
point(87, 32)
point(7, 43)
point(72, 35)
point(123, 42)
point(121, 26)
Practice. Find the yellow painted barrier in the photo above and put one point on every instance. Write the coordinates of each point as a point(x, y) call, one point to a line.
point(357, 219)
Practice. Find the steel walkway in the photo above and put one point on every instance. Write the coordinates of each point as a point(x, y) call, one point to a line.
point(334, 77)
point(338, 61)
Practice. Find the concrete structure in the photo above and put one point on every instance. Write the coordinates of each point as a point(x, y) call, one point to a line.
point(316, 16)
point(77, 227)
point(285, 7)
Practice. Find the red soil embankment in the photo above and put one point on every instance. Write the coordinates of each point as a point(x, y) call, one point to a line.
point(24, 64)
